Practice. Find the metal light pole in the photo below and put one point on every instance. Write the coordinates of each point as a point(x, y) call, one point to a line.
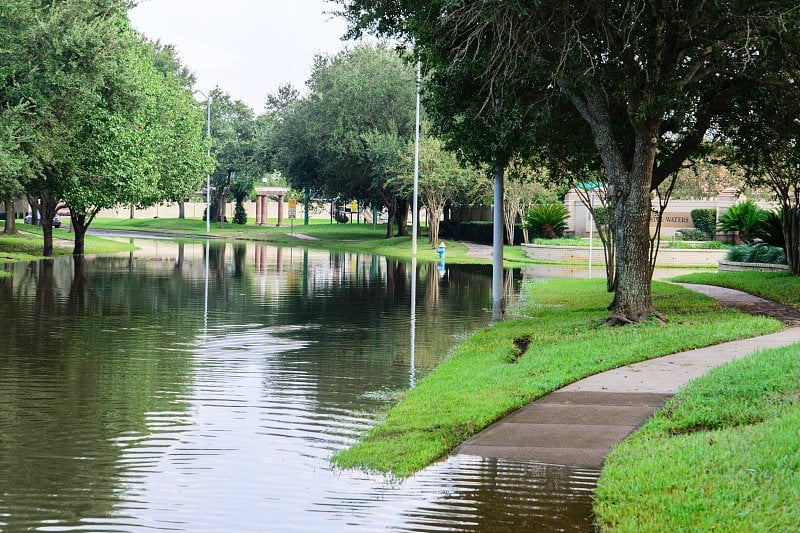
point(208, 153)
point(415, 206)
point(591, 228)
point(497, 238)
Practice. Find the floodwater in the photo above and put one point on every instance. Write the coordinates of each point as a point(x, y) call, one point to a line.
point(204, 386)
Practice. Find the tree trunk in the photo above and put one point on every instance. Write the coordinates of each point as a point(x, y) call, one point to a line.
point(11, 225)
point(510, 209)
point(48, 206)
point(34, 205)
point(632, 206)
point(47, 238)
point(391, 205)
point(181, 210)
point(220, 201)
point(391, 209)
point(79, 226)
point(133, 211)
point(401, 216)
point(434, 212)
point(791, 234)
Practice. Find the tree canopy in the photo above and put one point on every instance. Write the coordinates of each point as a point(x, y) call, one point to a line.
point(93, 113)
point(329, 141)
point(647, 79)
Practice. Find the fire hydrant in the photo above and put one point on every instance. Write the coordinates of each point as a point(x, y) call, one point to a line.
point(441, 251)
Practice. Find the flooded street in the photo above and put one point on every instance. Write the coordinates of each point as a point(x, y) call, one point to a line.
point(204, 386)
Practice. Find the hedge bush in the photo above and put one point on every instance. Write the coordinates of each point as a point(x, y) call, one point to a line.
point(691, 234)
point(478, 231)
point(706, 221)
point(758, 253)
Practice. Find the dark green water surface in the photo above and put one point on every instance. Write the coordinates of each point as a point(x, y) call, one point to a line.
point(204, 387)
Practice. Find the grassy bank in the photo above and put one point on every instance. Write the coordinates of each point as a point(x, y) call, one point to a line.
point(777, 286)
point(723, 455)
point(345, 237)
point(27, 245)
point(486, 377)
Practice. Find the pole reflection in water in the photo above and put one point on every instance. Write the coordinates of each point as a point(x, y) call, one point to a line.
point(205, 292)
point(412, 372)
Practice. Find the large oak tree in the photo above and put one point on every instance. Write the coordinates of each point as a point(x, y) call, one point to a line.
point(648, 78)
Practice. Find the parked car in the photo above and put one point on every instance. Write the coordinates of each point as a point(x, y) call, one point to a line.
point(56, 219)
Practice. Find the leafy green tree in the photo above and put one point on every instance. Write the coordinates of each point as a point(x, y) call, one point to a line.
point(169, 64)
point(167, 61)
point(441, 179)
point(648, 79)
point(14, 162)
point(767, 145)
point(70, 47)
point(328, 141)
point(102, 124)
point(233, 134)
point(141, 153)
point(523, 189)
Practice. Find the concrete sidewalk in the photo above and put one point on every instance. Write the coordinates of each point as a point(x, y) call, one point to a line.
point(479, 251)
point(580, 423)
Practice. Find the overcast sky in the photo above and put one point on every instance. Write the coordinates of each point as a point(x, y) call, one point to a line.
point(247, 47)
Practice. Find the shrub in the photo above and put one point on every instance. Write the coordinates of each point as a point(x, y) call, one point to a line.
point(705, 220)
point(757, 253)
point(547, 220)
point(479, 231)
point(772, 229)
point(691, 234)
point(239, 215)
point(746, 218)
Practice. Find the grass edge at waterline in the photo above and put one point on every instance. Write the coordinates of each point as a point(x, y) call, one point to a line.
point(358, 238)
point(486, 378)
point(27, 245)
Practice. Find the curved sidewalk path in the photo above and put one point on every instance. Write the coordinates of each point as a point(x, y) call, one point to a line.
point(578, 424)
point(480, 251)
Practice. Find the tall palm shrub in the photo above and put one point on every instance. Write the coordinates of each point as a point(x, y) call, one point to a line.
point(746, 218)
point(547, 220)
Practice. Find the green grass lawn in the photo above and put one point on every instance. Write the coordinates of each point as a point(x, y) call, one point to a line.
point(722, 455)
point(346, 237)
point(27, 245)
point(777, 286)
point(485, 377)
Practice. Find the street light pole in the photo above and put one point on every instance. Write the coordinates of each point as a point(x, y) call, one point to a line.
point(208, 176)
point(415, 202)
point(208, 153)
